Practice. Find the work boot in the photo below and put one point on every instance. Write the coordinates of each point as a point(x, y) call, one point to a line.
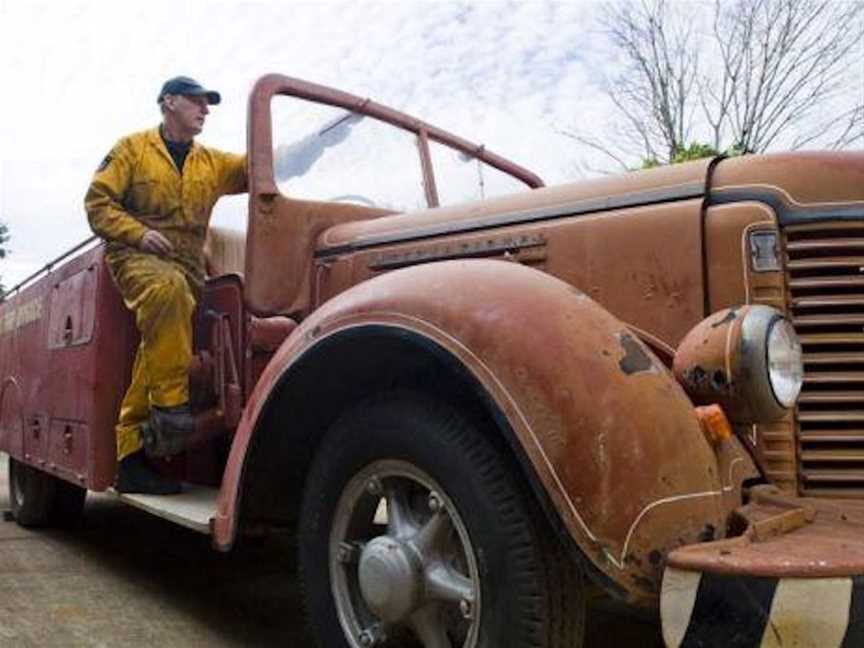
point(168, 431)
point(134, 475)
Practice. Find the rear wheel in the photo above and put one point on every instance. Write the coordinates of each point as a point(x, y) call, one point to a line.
point(416, 531)
point(68, 504)
point(39, 499)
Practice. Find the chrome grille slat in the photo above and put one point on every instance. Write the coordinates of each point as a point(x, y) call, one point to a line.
point(850, 357)
point(856, 397)
point(820, 263)
point(820, 245)
point(834, 476)
point(827, 301)
point(825, 284)
point(828, 320)
point(829, 416)
point(831, 338)
point(851, 455)
point(853, 435)
point(833, 377)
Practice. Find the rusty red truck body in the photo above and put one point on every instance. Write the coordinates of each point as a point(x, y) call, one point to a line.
point(472, 409)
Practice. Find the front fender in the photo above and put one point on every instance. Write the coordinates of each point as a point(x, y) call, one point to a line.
point(611, 436)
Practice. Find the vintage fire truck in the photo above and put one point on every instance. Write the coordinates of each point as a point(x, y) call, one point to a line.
point(475, 401)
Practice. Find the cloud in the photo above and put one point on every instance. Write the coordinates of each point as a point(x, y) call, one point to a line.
point(82, 74)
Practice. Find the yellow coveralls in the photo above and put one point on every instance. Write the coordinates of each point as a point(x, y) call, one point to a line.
point(139, 188)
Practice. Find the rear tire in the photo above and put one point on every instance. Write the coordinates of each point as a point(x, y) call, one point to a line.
point(68, 504)
point(38, 499)
point(495, 576)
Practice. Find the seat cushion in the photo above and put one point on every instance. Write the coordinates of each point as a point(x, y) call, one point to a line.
point(225, 251)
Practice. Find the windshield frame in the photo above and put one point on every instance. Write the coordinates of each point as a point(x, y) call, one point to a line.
point(260, 136)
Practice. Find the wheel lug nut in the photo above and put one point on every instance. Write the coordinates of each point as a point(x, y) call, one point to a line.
point(371, 636)
point(435, 503)
point(346, 552)
point(465, 608)
point(374, 486)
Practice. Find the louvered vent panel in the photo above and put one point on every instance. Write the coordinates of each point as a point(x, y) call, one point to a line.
point(825, 267)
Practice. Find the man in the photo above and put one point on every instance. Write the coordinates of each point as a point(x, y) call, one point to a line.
point(151, 200)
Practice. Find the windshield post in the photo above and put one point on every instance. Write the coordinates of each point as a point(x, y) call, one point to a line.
point(426, 166)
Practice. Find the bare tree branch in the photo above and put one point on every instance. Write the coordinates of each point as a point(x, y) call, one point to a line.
point(654, 92)
point(773, 72)
point(852, 132)
point(791, 57)
point(595, 144)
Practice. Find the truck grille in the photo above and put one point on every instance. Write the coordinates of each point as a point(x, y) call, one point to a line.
point(825, 279)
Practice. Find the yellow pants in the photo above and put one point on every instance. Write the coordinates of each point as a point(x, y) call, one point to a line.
point(158, 293)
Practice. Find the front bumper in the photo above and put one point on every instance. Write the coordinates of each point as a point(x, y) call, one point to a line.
point(795, 577)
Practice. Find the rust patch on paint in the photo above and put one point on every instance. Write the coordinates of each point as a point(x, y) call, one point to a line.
point(730, 317)
point(635, 359)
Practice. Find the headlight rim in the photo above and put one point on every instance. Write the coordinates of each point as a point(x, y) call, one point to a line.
point(780, 319)
point(734, 343)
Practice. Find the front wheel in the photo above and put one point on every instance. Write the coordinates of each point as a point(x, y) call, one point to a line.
point(39, 499)
point(416, 531)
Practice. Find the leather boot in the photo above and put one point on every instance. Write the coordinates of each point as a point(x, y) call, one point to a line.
point(168, 431)
point(134, 475)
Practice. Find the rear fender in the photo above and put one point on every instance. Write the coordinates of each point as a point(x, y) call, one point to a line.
point(606, 430)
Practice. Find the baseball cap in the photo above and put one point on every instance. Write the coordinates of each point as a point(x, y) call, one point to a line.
point(183, 85)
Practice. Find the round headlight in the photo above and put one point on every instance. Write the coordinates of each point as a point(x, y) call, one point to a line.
point(785, 364)
point(746, 359)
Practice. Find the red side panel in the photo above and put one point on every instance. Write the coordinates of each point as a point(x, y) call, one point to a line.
point(66, 348)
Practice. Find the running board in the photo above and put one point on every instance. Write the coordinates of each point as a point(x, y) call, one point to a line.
point(193, 508)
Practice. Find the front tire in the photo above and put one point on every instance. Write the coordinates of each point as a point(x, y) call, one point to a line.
point(417, 531)
point(38, 499)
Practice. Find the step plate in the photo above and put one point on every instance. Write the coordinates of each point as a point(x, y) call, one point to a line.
point(193, 508)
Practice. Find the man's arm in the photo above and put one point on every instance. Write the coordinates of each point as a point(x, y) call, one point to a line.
point(104, 199)
point(232, 173)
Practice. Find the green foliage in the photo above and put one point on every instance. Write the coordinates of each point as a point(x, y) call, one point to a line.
point(696, 151)
point(4, 237)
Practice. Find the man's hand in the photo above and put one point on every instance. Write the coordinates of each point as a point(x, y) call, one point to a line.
point(155, 243)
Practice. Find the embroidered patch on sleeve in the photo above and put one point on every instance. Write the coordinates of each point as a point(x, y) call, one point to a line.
point(104, 164)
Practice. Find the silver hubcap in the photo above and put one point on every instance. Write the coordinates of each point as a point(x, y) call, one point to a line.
point(403, 570)
point(391, 578)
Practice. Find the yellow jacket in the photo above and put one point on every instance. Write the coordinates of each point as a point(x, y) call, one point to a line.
point(137, 188)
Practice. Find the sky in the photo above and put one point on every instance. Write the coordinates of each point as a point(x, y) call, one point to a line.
point(77, 75)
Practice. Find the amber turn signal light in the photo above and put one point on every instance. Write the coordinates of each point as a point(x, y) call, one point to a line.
point(715, 425)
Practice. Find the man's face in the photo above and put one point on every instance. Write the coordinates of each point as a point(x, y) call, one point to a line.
point(189, 111)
